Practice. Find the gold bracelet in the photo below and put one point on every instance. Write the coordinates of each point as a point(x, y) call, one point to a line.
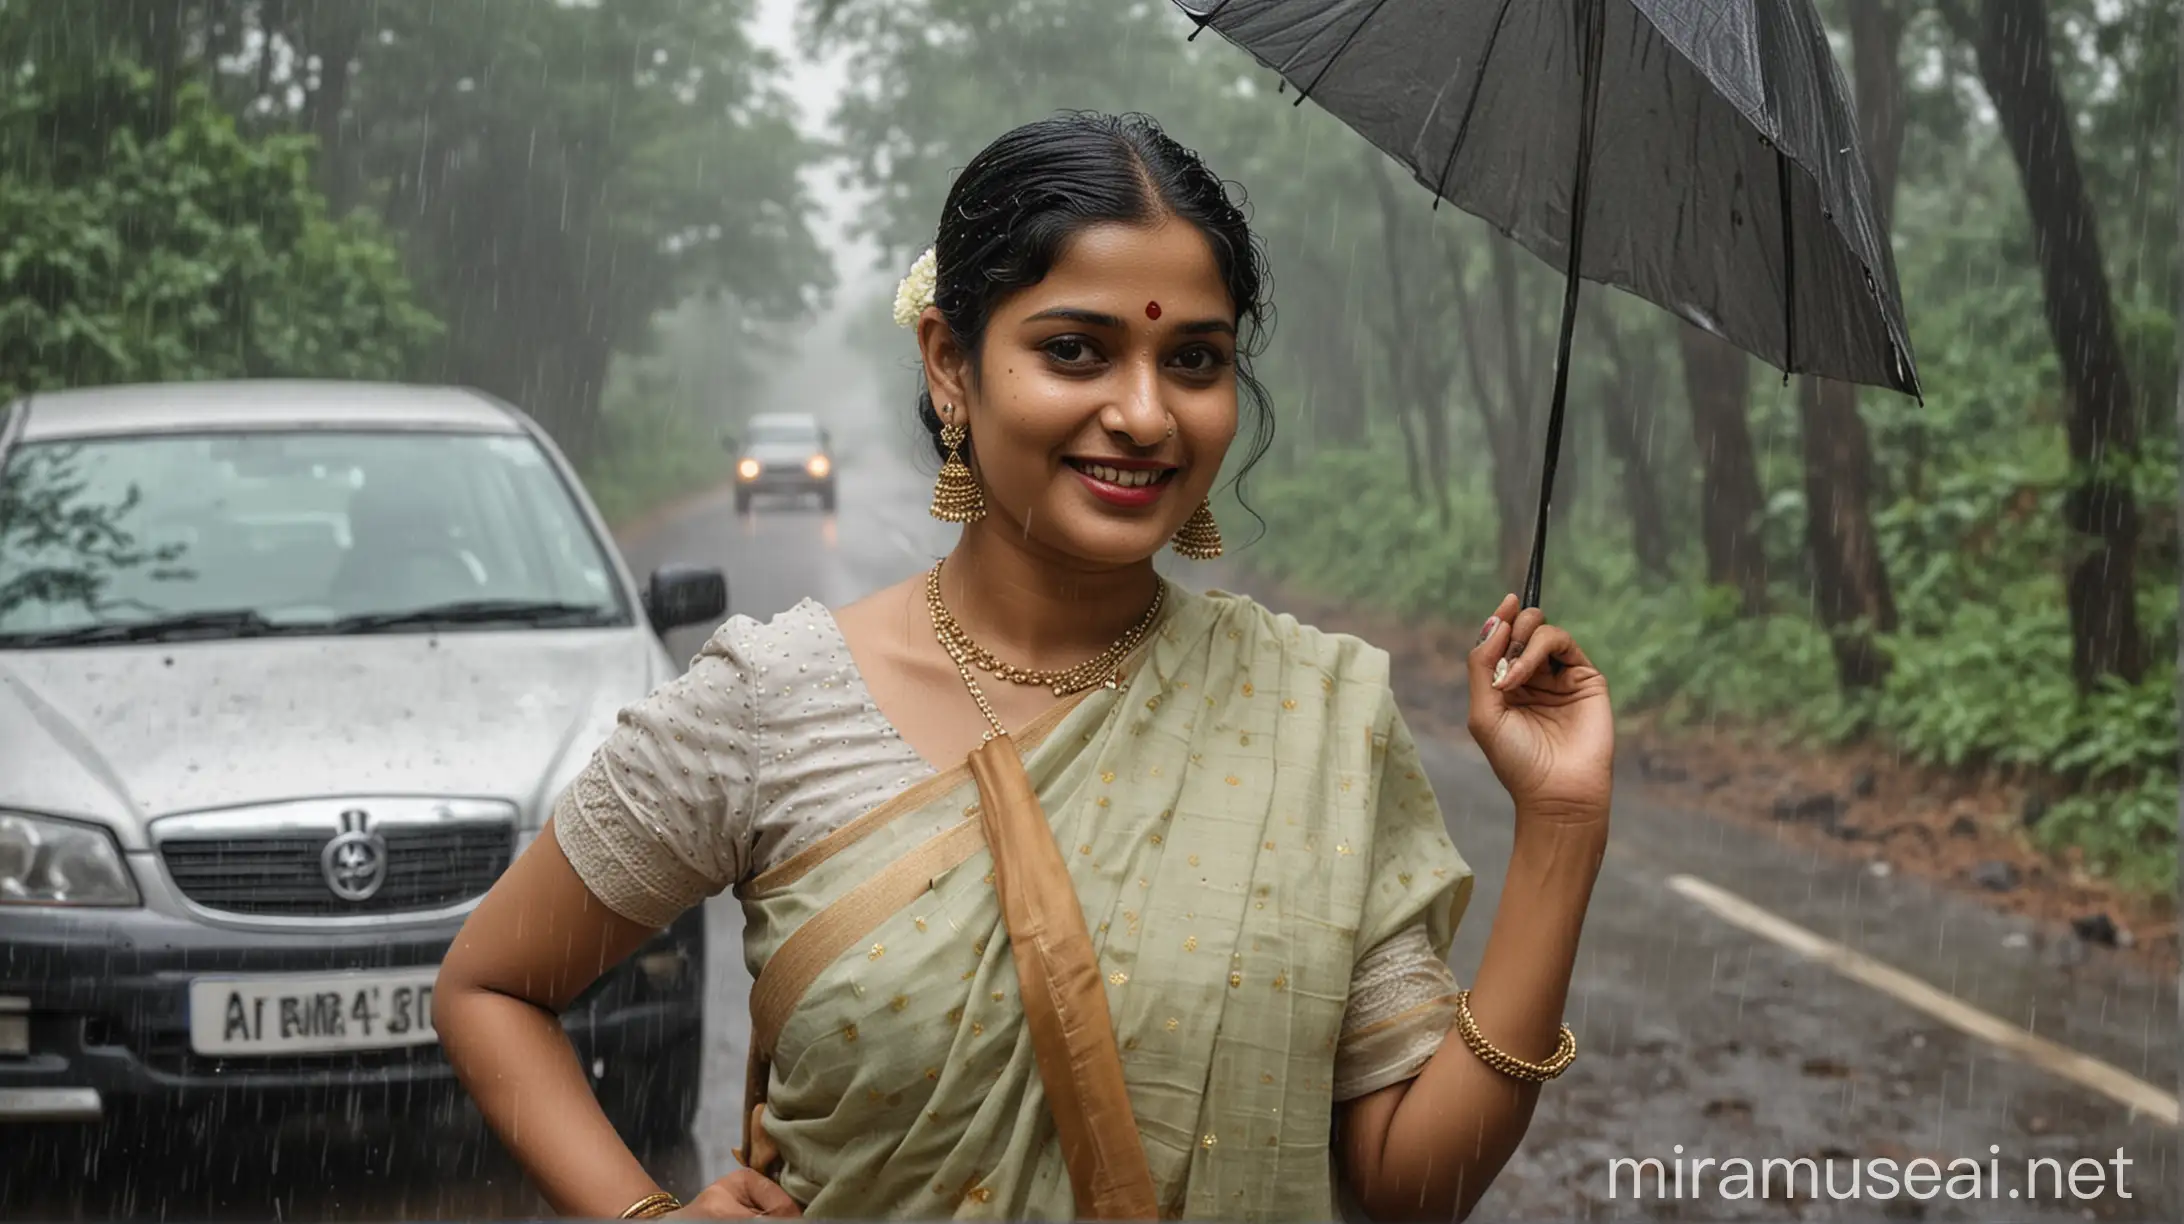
point(1509, 1064)
point(652, 1206)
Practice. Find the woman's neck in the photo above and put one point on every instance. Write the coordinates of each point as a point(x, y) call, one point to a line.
point(1035, 609)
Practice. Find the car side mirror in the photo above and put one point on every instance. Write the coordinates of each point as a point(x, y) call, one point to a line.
point(680, 595)
point(728, 442)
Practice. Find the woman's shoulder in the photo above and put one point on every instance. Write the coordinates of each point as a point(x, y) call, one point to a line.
point(797, 640)
point(1231, 616)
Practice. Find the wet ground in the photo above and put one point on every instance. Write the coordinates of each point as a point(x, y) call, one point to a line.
point(1698, 1039)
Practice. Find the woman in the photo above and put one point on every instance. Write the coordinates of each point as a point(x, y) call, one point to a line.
point(1068, 892)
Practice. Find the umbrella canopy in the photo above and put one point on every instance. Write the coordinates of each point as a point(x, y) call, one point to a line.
point(1699, 153)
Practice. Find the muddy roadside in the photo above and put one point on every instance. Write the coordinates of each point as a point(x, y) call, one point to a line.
point(1969, 833)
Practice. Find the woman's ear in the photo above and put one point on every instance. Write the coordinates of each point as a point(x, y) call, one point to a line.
point(946, 364)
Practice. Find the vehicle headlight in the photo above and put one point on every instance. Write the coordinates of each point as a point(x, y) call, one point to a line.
point(748, 469)
point(818, 465)
point(55, 862)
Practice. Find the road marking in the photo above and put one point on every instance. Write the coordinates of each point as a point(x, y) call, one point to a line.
point(2049, 1056)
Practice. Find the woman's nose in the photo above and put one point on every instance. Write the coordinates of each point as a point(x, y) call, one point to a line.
point(1138, 414)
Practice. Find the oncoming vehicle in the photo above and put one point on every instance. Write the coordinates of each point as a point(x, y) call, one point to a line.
point(784, 453)
point(289, 673)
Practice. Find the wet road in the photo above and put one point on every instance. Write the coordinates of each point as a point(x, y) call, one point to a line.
point(1698, 1038)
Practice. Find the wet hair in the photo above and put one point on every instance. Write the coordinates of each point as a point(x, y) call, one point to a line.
point(1024, 196)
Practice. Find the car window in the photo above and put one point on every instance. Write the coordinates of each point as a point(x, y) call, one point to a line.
point(784, 433)
point(298, 528)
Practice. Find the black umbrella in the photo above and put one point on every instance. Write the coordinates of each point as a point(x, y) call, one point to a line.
point(1707, 144)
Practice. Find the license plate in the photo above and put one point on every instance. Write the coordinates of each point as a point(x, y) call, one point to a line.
point(312, 1013)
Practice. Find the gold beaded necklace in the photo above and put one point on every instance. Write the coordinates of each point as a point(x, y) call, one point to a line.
point(1102, 668)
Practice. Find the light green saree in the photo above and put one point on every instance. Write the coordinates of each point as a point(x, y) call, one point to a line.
point(1241, 819)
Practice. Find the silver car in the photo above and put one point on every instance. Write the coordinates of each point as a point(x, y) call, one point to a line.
point(289, 673)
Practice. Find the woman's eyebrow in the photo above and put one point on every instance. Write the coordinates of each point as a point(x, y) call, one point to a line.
point(1093, 318)
point(1071, 314)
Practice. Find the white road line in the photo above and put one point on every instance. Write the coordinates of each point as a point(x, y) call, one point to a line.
point(2089, 1072)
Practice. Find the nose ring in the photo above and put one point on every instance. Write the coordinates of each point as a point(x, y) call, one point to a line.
point(1171, 426)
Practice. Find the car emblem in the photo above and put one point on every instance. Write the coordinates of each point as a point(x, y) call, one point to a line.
point(355, 861)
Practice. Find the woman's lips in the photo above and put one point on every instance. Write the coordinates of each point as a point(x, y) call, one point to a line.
point(1132, 488)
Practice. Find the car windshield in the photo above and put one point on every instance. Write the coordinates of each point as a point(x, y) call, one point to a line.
point(131, 538)
point(784, 433)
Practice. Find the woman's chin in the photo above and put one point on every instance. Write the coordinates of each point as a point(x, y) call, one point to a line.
point(1109, 543)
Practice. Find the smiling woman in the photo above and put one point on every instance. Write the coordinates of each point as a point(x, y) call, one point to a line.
point(1070, 893)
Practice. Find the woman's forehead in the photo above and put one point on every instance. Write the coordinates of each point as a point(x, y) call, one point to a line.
point(1126, 269)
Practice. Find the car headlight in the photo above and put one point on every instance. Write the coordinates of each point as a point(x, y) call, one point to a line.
point(748, 469)
point(55, 862)
point(818, 466)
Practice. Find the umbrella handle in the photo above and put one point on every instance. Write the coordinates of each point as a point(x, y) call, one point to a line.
point(1592, 16)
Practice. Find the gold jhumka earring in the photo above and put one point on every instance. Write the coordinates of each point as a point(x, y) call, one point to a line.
point(956, 495)
point(1199, 538)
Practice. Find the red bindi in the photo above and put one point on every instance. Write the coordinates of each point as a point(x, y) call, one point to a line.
point(1152, 310)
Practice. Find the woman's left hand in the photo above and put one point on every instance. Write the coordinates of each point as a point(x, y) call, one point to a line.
point(1548, 731)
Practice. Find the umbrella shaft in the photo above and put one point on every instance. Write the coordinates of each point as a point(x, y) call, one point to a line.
point(1592, 16)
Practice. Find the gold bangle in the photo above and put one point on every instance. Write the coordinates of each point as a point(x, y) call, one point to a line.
point(652, 1206)
point(1509, 1064)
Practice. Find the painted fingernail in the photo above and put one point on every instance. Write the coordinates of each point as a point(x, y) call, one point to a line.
point(1501, 671)
point(1487, 630)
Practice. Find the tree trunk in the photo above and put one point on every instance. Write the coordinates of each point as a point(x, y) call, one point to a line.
point(1420, 390)
point(1627, 417)
point(2017, 69)
point(1518, 447)
point(1876, 43)
point(1851, 591)
point(334, 33)
point(1850, 584)
point(1730, 503)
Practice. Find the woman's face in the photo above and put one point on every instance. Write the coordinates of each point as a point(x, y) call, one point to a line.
point(1106, 395)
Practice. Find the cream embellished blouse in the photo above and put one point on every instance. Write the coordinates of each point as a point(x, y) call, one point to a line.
point(770, 741)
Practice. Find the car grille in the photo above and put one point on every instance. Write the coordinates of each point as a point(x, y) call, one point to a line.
point(427, 867)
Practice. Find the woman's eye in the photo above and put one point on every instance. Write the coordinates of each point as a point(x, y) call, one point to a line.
point(1069, 350)
point(1199, 359)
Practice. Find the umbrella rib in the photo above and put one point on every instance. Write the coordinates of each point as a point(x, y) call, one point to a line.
point(1471, 104)
point(1347, 39)
point(1789, 267)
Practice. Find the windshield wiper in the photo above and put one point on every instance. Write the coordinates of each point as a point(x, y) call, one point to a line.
point(240, 622)
point(534, 612)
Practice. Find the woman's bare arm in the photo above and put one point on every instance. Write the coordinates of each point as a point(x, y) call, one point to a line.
point(1428, 1148)
point(536, 941)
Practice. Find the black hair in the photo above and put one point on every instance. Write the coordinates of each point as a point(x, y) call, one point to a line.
point(1025, 195)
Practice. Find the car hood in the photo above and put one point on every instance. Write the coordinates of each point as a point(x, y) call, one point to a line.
point(123, 734)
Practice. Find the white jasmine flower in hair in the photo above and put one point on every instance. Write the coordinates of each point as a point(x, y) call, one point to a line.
point(916, 291)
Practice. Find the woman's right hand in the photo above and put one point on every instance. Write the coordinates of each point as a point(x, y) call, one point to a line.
point(742, 1195)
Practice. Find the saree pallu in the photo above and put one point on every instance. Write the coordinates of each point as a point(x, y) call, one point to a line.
point(1241, 819)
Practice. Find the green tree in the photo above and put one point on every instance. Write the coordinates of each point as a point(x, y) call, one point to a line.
point(147, 248)
point(557, 175)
